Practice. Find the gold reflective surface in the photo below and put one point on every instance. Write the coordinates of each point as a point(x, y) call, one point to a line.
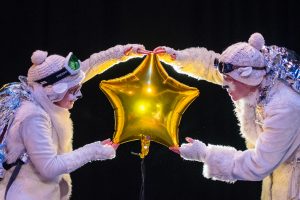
point(148, 104)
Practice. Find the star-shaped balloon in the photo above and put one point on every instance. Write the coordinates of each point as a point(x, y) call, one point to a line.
point(148, 104)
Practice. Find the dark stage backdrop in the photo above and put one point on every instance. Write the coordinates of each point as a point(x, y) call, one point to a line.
point(86, 27)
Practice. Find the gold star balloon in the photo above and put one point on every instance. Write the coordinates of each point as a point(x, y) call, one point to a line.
point(148, 104)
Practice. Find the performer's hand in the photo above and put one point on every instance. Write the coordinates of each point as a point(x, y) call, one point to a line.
point(175, 149)
point(115, 146)
point(109, 142)
point(193, 150)
point(135, 50)
point(165, 53)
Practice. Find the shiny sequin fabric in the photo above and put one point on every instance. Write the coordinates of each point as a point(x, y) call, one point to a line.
point(283, 64)
point(11, 96)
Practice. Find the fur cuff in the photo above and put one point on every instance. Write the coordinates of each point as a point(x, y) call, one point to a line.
point(219, 163)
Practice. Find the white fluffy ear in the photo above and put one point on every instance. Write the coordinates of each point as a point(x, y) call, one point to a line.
point(60, 88)
point(245, 71)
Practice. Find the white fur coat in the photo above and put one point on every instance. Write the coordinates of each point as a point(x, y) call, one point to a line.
point(271, 131)
point(45, 131)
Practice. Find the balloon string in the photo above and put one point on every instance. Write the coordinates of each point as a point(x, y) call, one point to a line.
point(143, 172)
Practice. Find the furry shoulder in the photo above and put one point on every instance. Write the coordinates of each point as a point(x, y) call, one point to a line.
point(29, 109)
point(282, 96)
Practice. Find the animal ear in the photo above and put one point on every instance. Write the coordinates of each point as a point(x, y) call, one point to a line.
point(245, 71)
point(60, 88)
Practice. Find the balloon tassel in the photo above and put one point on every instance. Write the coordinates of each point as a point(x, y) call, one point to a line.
point(145, 144)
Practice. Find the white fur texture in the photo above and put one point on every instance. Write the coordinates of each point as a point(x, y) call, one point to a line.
point(195, 151)
point(219, 163)
point(103, 60)
point(195, 62)
point(87, 153)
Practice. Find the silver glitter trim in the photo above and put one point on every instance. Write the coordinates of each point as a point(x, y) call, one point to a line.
point(283, 64)
point(11, 97)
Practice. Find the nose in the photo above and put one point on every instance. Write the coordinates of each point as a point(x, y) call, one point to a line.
point(78, 95)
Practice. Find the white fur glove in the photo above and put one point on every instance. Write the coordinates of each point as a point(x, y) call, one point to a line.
point(87, 153)
point(194, 150)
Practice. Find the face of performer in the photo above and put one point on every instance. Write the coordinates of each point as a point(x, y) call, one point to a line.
point(70, 97)
point(236, 89)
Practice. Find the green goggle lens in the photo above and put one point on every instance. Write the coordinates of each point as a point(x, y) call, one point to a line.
point(73, 62)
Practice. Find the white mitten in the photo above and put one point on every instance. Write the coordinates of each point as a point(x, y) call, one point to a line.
point(194, 150)
point(104, 152)
point(87, 153)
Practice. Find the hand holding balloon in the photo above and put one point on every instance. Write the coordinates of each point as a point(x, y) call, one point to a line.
point(193, 150)
point(165, 53)
point(134, 50)
point(109, 142)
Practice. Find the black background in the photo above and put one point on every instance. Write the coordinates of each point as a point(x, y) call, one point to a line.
point(85, 27)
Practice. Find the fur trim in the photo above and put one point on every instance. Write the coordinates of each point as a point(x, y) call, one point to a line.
point(63, 126)
point(245, 110)
point(219, 163)
point(14, 141)
point(60, 119)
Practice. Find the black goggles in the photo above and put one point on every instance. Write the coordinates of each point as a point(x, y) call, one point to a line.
point(71, 67)
point(225, 68)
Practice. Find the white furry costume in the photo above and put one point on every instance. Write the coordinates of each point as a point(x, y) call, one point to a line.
point(271, 130)
point(45, 132)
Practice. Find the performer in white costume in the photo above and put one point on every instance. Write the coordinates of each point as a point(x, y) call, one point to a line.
point(42, 129)
point(263, 82)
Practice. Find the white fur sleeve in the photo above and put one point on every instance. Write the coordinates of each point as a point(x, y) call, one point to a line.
point(87, 153)
point(197, 62)
point(103, 60)
point(36, 135)
point(219, 163)
point(278, 141)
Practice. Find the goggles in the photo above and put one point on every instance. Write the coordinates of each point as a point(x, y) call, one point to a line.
point(225, 68)
point(71, 67)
